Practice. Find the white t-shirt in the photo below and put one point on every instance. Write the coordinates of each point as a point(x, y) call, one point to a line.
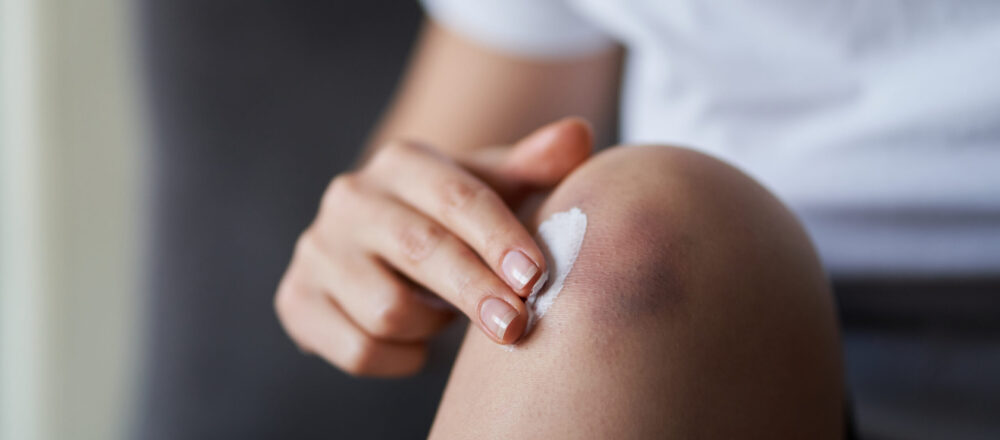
point(877, 122)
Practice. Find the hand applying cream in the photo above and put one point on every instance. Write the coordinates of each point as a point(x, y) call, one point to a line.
point(412, 216)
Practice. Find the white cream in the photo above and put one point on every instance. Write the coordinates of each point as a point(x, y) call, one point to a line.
point(560, 238)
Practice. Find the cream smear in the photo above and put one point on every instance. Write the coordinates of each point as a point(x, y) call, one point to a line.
point(560, 238)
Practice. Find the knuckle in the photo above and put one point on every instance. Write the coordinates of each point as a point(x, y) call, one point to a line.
point(305, 244)
point(457, 193)
point(360, 357)
point(398, 146)
point(418, 239)
point(341, 190)
point(310, 253)
point(389, 319)
point(391, 153)
point(284, 296)
point(282, 303)
point(286, 301)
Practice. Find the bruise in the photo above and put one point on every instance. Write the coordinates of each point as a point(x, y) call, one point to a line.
point(634, 268)
point(631, 268)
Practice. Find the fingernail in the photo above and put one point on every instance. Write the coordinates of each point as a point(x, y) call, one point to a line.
point(497, 316)
point(518, 269)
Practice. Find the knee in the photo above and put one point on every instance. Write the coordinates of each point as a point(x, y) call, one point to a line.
point(695, 305)
point(673, 233)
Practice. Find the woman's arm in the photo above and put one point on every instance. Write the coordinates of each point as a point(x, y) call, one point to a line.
point(457, 95)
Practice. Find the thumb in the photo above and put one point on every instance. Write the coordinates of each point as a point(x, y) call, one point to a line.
point(539, 160)
point(550, 153)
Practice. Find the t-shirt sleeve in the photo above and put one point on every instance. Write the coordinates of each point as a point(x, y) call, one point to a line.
point(532, 28)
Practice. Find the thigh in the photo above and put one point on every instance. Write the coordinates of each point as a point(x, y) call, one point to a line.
point(696, 307)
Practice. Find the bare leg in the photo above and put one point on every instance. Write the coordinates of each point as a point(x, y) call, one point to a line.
point(696, 308)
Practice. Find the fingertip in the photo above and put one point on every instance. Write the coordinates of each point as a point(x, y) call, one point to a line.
point(577, 129)
point(503, 321)
point(516, 329)
point(522, 271)
point(571, 130)
point(547, 155)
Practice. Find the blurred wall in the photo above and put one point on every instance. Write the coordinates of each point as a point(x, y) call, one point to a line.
point(69, 219)
point(256, 105)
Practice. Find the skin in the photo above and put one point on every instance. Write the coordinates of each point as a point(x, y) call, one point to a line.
point(697, 308)
point(701, 310)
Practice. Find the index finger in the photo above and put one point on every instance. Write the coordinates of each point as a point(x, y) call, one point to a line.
point(444, 191)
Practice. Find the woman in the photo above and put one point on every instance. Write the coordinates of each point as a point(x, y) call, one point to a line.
point(697, 305)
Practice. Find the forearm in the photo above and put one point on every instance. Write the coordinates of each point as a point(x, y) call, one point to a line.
point(457, 95)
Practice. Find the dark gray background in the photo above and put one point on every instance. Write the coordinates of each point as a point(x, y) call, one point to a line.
point(256, 104)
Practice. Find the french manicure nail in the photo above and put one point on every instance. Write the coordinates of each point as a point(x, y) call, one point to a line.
point(497, 316)
point(519, 269)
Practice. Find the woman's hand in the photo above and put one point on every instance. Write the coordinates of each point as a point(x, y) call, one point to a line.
point(415, 218)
